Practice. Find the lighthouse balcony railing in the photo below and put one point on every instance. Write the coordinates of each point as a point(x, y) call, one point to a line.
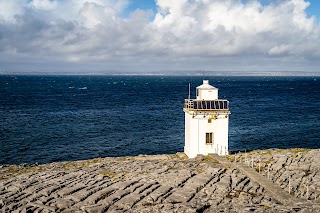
point(206, 105)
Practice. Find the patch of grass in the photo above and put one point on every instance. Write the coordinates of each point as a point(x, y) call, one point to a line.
point(264, 152)
point(4, 177)
point(200, 171)
point(13, 170)
point(298, 150)
point(82, 165)
point(268, 152)
point(117, 178)
point(261, 169)
point(229, 158)
point(123, 159)
point(173, 156)
point(66, 167)
point(107, 173)
point(207, 158)
point(36, 169)
point(265, 207)
point(95, 160)
point(69, 165)
point(267, 162)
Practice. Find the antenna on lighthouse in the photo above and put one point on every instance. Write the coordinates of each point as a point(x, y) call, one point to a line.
point(189, 92)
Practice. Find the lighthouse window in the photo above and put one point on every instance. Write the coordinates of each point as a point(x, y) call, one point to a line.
point(221, 104)
point(209, 138)
point(195, 105)
point(212, 105)
point(204, 106)
point(216, 105)
point(224, 105)
point(208, 104)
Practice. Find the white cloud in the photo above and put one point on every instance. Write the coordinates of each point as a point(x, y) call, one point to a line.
point(231, 27)
point(71, 10)
point(184, 34)
point(95, 14)
point(8, 9)
point(43, 4)
point(278, 50)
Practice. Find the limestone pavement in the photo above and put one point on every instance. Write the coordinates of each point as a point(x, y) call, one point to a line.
point(161, 183)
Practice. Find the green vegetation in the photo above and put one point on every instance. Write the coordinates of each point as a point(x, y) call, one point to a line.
point(123, 159)
point(107, 173)
point(229, 158)
point(261, 169)
point(207, 158)
point(95, 160)
point(13, 170)
point(200, 171)
point(268, 161)
point(298, 150)
point(265, 207)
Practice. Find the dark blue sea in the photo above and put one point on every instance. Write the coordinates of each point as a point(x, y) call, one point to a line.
point(62, 118)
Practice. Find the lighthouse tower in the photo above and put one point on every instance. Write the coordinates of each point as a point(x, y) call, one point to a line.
point(206, 122)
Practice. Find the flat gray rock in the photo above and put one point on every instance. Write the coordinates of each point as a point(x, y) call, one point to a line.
point(161, 183)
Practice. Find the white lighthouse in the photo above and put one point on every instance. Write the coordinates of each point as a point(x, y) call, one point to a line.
point(206, 122)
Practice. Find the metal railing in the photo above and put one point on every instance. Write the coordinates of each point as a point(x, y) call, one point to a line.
point(206, 105)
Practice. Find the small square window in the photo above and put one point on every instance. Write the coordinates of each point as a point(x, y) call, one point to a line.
point(209, 120)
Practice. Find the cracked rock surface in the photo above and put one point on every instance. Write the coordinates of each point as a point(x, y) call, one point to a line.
point(160, 183)
point(300, 167)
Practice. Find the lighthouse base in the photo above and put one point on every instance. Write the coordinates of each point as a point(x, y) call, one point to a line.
point(190, 154)
point(194, 154)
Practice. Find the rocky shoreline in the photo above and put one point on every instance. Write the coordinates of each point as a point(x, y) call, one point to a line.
point(165, 183)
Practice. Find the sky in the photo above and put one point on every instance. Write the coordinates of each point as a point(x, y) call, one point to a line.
point(161, 35)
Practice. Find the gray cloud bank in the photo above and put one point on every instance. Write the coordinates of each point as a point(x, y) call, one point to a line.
point(83, 35)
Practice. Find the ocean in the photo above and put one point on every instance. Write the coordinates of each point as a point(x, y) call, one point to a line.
point(62, 118)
